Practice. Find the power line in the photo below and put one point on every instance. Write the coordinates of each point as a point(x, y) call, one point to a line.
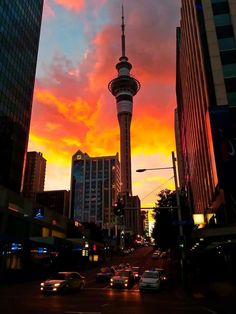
point(157, 188)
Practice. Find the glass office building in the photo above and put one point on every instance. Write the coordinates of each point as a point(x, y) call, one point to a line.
point(95, 184)
point(20, 23)
point(206, 96)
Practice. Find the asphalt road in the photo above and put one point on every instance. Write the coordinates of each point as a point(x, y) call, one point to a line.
point(99, 298)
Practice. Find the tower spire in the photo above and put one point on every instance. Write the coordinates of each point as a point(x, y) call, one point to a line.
point(123, 34)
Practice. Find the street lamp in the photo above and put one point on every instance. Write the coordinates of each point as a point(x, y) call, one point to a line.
point(181, 234)
point(163, 168)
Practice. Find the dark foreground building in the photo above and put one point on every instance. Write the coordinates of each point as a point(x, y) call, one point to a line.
point(206, 96)
point(20, 22)
point(206, 125)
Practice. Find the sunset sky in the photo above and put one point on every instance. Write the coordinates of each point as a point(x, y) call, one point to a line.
point(73, 109)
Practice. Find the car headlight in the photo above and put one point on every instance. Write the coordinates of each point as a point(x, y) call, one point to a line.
point(56, 284)
point(42, 284)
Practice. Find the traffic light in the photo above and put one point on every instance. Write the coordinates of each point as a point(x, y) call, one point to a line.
point(119, 208)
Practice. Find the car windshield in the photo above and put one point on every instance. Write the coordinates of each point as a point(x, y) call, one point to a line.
point(123, 273)
point(150, 275)
point(135, 269)
point(59, 277)
point(105, 270)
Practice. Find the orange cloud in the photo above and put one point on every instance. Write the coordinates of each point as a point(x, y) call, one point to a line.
point(73, 108)
point(74, 5)
point(76, 110)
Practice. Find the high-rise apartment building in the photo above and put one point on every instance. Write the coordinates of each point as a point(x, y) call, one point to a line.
point(95, 184)
point(206, 110)
point(34, 176)
point(20, 23)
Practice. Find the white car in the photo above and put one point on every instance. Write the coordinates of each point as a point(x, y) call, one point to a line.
point(150, 280)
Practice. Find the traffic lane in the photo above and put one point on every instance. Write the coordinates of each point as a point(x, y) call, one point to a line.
point(104, 301)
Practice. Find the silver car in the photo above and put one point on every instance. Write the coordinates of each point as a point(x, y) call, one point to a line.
point(150, 280)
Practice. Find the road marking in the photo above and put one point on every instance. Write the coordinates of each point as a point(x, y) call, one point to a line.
point(115, 290)
point(72, 312)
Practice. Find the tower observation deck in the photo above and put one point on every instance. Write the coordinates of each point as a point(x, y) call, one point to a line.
point(124, 87)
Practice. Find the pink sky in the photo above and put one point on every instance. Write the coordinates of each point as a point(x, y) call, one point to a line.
point(73, 109)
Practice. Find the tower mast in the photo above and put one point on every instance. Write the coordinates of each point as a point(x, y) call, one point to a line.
point(124, 87)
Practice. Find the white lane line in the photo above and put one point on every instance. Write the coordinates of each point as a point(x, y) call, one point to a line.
point(72, 312)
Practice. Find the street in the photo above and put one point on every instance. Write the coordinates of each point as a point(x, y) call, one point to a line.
point(100, 298)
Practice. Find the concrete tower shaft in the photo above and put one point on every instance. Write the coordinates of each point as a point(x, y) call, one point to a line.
point(124, 87)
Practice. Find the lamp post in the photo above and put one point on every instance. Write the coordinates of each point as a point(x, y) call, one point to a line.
point(181, 234)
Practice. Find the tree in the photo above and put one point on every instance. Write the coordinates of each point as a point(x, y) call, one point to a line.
point(165, 231)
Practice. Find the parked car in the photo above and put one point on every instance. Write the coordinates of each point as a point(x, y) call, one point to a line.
point(150, 280)
point(122, 278)
point(105, 274)
point(136, 272)
point(62, 282)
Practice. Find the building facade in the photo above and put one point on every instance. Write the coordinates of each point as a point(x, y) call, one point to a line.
point(57, 200)
point(20, 23)
point(95, 184)
point(206, 108)
point(34, 176)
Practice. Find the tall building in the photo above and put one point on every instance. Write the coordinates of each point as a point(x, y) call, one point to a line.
point(95, 184)
point(124, 87)
point(34, 176)
point(20, 23)
point(206, 108)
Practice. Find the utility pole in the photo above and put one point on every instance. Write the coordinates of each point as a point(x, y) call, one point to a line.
point(181, 233)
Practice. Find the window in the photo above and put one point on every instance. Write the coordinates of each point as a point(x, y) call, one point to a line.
point(229, 70)
point(227, 43)
point(222, 19)
point(220, 8)
point(218, 1)
point(231, 98)
point(228, 57)
point(230, 84)
point(224, 31)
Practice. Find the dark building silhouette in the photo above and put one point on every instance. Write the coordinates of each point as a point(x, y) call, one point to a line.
point(34, 176)
point(20, 23)
point(206, 110)
point(57, 201)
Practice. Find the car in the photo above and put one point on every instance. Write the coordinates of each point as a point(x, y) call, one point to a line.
point(136, 272)
point(163, 277)
point(163, 274)
point(105, 274)
point(150, 280)
point(122, 279)
point(62, 282)
point(155, 255)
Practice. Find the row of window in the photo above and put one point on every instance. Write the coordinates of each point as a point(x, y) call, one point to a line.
point(227, 45)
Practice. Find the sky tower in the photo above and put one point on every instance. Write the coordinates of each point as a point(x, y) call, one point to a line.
point(124, 87)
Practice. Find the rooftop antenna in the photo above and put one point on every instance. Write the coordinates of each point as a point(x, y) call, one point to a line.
point(123, 34)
